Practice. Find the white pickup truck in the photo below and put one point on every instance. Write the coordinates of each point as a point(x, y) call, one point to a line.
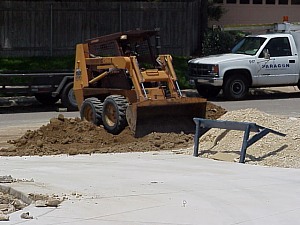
point(264, 60)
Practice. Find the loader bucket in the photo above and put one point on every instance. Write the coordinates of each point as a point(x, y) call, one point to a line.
point(165, 116)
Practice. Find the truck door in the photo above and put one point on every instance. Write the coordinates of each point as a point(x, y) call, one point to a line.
point(281, 67)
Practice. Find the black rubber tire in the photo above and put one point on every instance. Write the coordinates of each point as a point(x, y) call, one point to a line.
point(236, 87)
point(68, 99)
point(114, 113)
point(207, 91)
point(46, 98)
point(91, 110)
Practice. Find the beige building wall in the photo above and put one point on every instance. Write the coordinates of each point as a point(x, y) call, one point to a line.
point(249, 12)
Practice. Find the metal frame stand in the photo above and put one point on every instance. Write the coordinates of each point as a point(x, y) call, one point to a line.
point(202, 125)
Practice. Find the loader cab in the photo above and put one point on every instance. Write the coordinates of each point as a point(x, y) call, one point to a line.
point(141, 44)
point(138, 43)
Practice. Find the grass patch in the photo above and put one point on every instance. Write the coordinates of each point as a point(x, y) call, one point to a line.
point(66, 63)
point(32, 64)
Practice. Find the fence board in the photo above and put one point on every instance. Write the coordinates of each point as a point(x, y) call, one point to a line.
point(45, 28)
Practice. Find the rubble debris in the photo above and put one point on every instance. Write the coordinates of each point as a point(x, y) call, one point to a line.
point(26, 215)
point(4, 217)
point(7, 179)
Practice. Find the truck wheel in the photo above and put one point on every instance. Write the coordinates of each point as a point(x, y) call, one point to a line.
point(46, 98)
point(91, 110)
point(208, 91)
point(236, 87)
point(114, 113)
point(68, 98)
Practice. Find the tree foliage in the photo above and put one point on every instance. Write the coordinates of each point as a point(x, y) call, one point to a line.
point(214, 12)
point(217, 41)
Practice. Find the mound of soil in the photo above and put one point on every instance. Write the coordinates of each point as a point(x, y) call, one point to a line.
point(74, 136)
point(271, 150)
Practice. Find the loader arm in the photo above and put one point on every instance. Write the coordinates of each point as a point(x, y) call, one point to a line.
point(167, 66)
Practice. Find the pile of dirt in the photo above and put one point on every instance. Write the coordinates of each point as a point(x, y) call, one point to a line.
point(73, 136)
point(271, 150)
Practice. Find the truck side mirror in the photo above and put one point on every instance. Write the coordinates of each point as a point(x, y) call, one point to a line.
point(266, 53)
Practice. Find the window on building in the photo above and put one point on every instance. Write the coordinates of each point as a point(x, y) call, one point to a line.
point(283, 2)
point(218, 1)
point(270, 2)
point(295, 2)
point(244, 1)
point(231, 1)
point(257, 1)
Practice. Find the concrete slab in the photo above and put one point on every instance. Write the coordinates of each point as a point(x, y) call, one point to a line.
point(285, 89)
point(155, 188)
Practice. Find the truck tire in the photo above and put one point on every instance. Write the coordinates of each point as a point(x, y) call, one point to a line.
point(46, 98)
point(208, 91)
point(114, 113)
point(91, 110)
point(68, 99)
point(236, 87)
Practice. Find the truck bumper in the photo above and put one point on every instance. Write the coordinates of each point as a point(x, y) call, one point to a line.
point(218, 82)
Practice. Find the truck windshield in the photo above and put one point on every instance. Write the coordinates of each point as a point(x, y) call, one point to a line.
point(249, 45)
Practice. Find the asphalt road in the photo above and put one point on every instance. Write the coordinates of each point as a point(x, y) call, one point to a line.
point(30, 115)
point(278, 101)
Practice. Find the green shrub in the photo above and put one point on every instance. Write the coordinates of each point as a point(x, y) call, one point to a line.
point(219, 42)
point(180, 66)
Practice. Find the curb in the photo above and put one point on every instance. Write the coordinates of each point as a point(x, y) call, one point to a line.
point(17, 194)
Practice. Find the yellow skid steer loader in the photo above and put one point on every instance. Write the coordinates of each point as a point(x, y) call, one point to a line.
point(118, 81)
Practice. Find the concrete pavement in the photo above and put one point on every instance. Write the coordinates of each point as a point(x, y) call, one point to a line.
point(155, 188)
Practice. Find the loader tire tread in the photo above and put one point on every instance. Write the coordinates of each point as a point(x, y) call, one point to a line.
point(96, 106)
point(114, 122)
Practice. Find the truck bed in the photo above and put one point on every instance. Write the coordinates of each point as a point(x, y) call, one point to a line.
point(30, 83)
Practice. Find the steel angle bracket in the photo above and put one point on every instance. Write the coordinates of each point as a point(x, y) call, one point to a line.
point(203, 125)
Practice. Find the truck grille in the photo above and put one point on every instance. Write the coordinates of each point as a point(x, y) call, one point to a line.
point(199, 70)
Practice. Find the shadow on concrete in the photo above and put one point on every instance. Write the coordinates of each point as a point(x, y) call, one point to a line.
point(272, 153)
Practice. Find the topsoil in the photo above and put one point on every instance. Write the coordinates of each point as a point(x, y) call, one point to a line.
point(73, 136)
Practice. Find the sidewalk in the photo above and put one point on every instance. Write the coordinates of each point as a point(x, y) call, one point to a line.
point(285, 89)
point(155, 188)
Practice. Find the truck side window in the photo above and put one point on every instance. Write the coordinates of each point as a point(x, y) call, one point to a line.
point(278, 47)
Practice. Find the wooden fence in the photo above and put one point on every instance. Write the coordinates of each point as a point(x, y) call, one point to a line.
point(53, 28)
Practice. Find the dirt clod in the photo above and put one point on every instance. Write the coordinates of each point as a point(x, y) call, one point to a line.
point(26, 215)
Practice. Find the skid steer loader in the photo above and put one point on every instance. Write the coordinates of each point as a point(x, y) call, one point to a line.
point(119, 80)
